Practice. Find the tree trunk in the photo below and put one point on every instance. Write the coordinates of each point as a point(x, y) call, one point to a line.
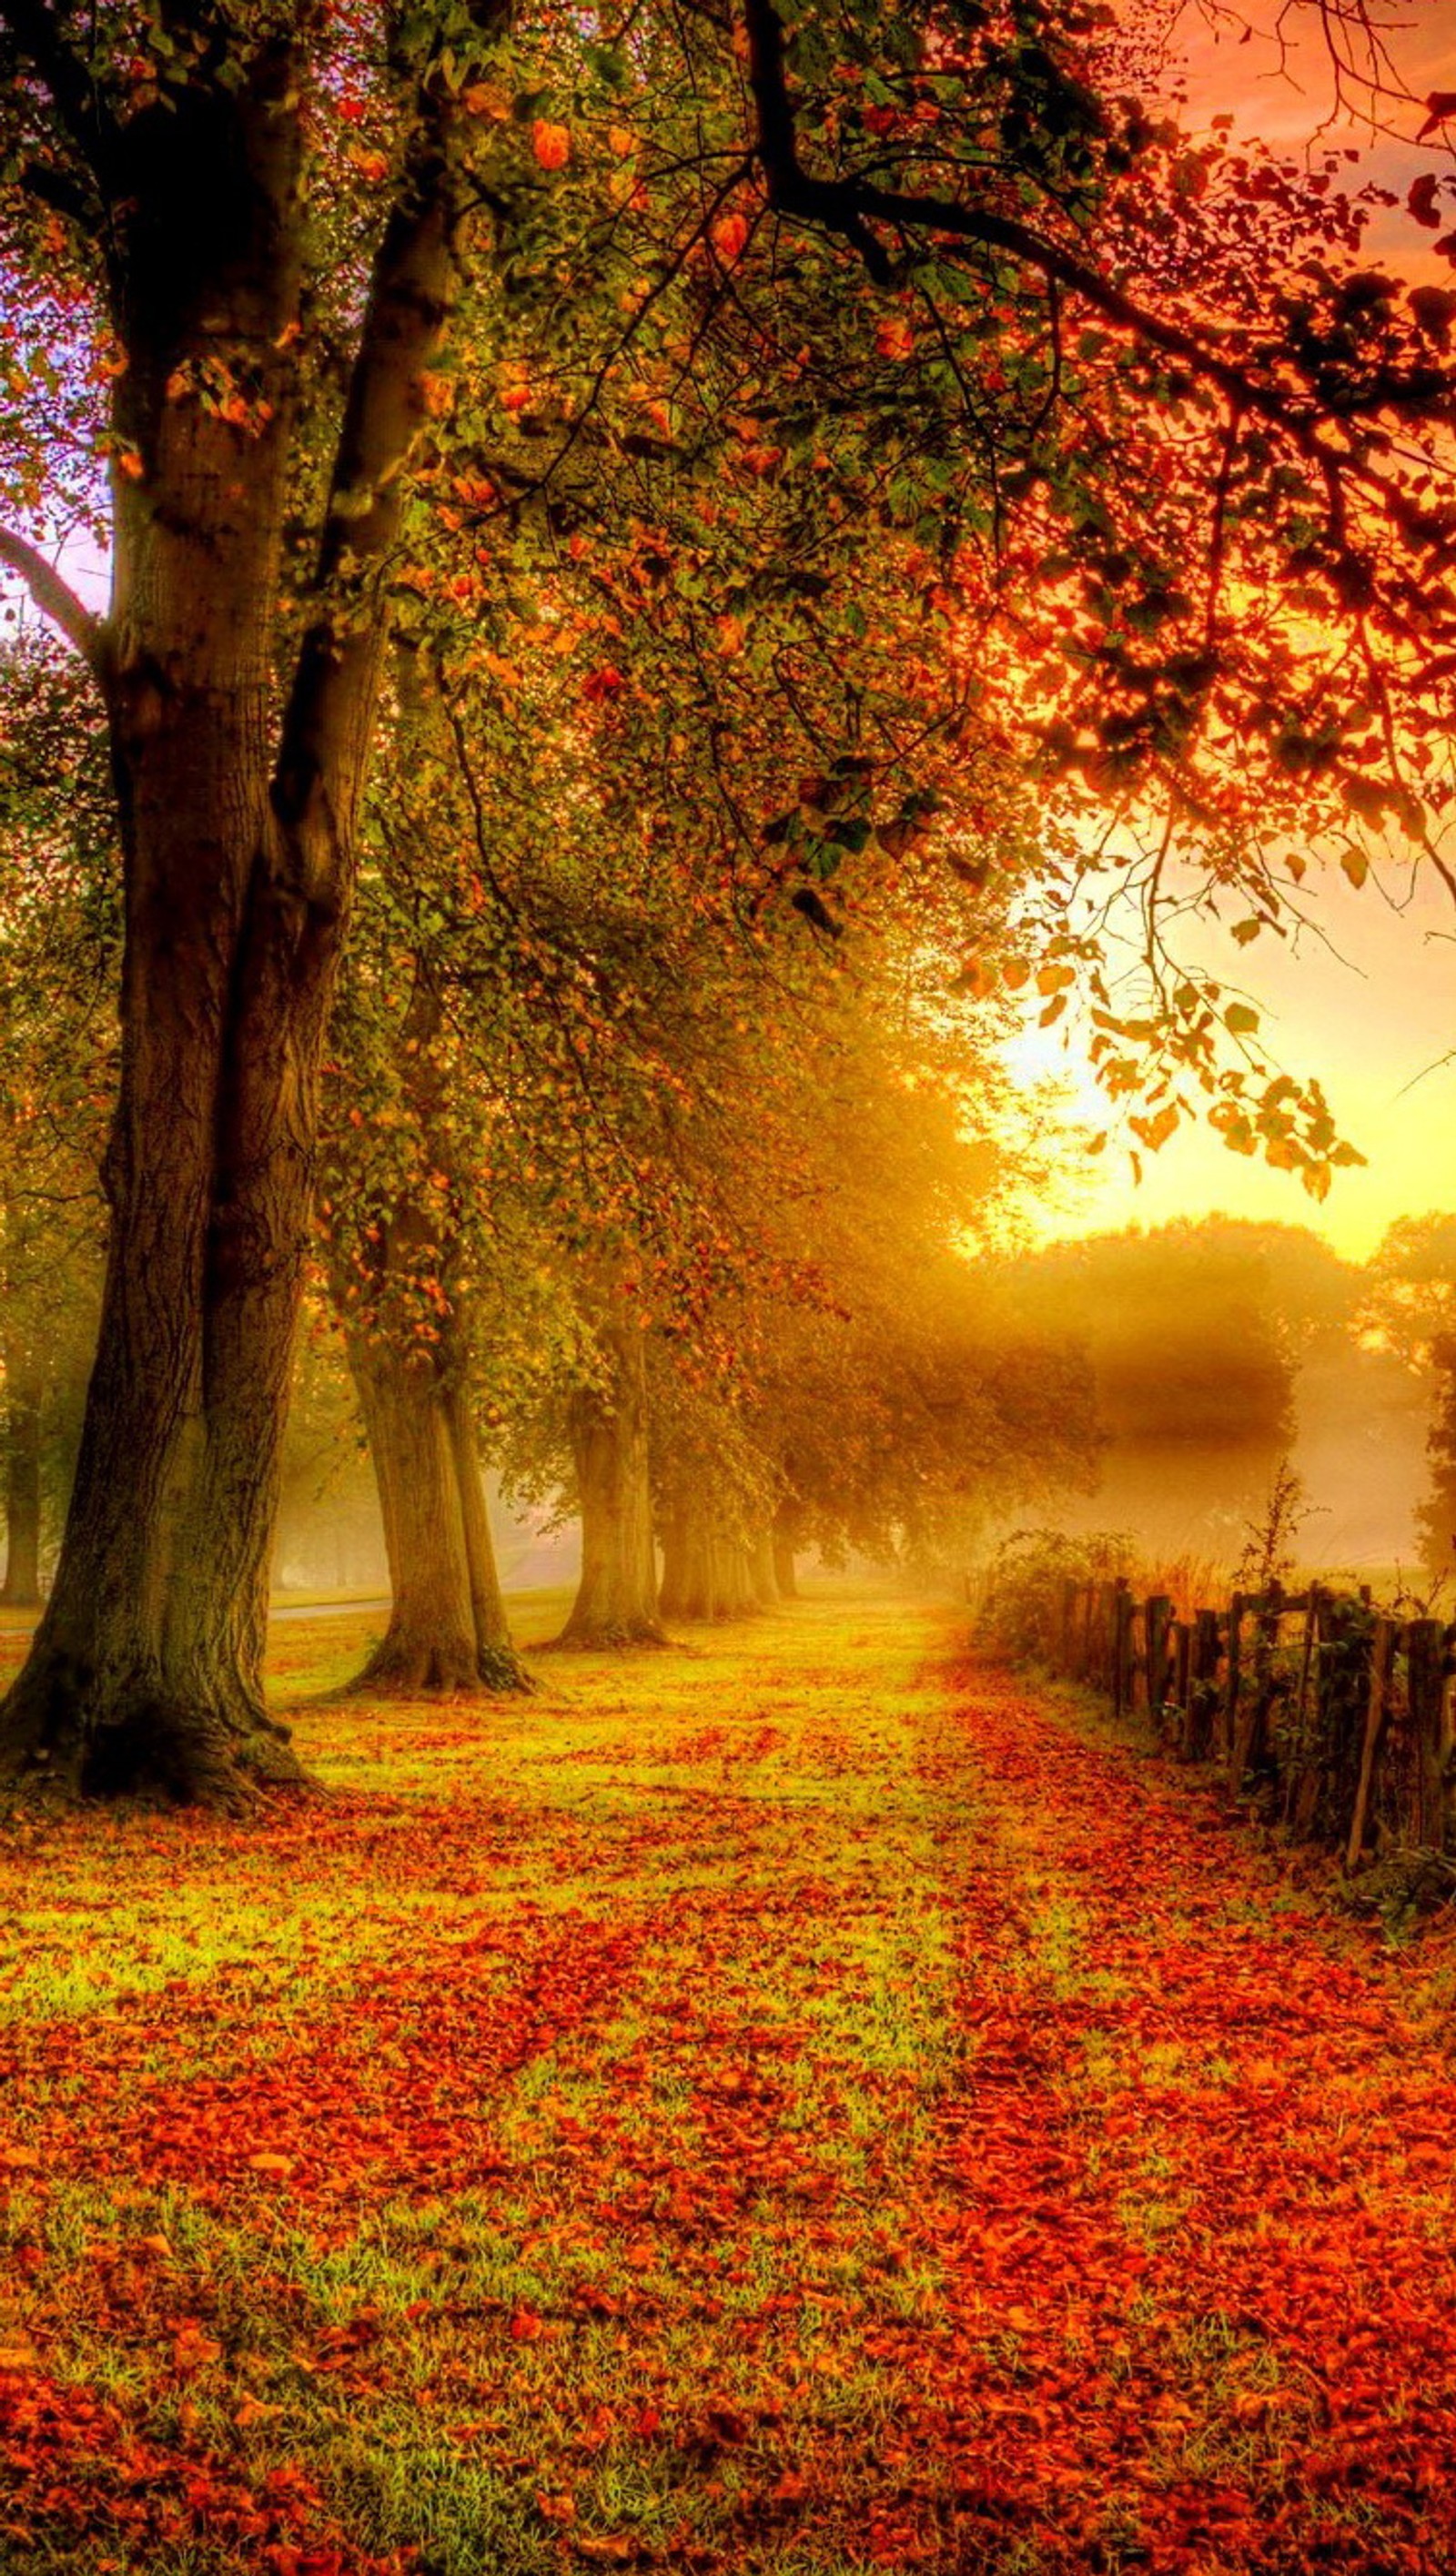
point(429, 1644)
point(497, 1663)
point(447, 1627)
point(708, 1572)
point(112, 1697)
point(22, 1490)
point(677, 1577)
point(616, 1600)
point(786, 1539)
point(237, 835)
point(763, 1571)
point(785, 1572)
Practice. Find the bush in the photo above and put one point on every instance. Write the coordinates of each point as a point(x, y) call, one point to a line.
point(1021, 1595)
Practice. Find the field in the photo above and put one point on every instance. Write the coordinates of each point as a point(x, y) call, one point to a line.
point(791, 2103)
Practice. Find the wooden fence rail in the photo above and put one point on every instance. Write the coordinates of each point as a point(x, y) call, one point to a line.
point(1339, 1716)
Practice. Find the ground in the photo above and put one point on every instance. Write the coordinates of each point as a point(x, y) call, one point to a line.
point(801, 2102)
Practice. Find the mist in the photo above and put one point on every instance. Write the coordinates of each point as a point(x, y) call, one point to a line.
point(1219, 1348)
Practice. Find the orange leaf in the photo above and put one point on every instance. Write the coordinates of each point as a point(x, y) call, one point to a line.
point(551, 144)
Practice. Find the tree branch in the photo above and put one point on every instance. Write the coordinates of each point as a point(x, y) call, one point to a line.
point(848, 206)
point(55, 598)
point(64, 195)
point(78, 102)
point(329, 718)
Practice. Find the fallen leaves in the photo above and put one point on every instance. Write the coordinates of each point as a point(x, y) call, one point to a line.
point(909, 2133)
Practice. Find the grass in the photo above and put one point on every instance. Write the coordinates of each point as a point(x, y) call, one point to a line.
point(781, 2104)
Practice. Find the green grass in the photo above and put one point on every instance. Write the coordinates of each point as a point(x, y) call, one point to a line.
point(730, 2110)
point(701, 2165)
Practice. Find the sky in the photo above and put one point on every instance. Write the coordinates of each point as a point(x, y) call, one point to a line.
point(1366, 1004)
point(1368, 1008)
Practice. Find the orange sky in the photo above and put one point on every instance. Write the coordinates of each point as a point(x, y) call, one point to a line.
point(1370, 1010)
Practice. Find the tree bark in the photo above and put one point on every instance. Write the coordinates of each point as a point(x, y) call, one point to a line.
point(708, 1571)
point(785, 1547)
point(21, 1589)
point(497, 1664)
point(447, 1628)
point(98, 1708)
point(429, 1644)
point(616, 1600)
point(237, 834)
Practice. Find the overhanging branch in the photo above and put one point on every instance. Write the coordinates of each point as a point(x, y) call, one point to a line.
point(851, 206)
point(54, 597)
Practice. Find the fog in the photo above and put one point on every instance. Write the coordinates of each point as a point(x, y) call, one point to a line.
point(1219, 1348)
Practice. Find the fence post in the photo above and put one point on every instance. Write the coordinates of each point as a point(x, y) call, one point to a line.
point(1157, 1619)
point(1425, 1665)
point(1065, 1628)
point(1123, 1611)
point(1382, 1664)
point(1202, 1687)
point(1343, 1662)
point(1249, 1719)
point(1294, 1786)
point(1229, 1711)
point(1182, 1633)
point(1104, 1617)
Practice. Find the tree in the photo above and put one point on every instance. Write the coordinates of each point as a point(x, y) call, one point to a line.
point(396, 1241)
point(704, 214)
point(58, 941)
point(894, 1407)
point(173, 167)
point(1412, 1310)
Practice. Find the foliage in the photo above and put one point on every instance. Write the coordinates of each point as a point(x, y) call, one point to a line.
point(1191, 1330)
point(1021, 1588)
point(412, 2203)
point(1411, 1308)
point(904, 378)
point(1268, 1555)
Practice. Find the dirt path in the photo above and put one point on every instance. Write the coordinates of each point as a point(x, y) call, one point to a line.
point(1203, 2156)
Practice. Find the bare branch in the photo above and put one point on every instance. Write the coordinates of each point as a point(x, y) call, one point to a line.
point(55, 598)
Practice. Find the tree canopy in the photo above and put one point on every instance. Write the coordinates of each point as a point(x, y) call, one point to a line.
point(828, 472)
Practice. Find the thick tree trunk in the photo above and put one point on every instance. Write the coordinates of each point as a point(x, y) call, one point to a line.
point(237, 834)
point(708, 1572)
point(447, 1628)
point(763, 1571)
point(616, 1600)
point(429, 1644)
point(497, 1663)
point(113, 1696)
point(22, 1489)
point(786, 1540)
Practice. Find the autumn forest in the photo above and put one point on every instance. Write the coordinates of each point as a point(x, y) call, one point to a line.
point(727, 1768)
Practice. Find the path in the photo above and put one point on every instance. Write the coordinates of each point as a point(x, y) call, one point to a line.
point(793, 2106)
point(1205, 2155)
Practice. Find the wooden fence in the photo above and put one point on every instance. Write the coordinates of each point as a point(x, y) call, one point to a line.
point(1338, 1715)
